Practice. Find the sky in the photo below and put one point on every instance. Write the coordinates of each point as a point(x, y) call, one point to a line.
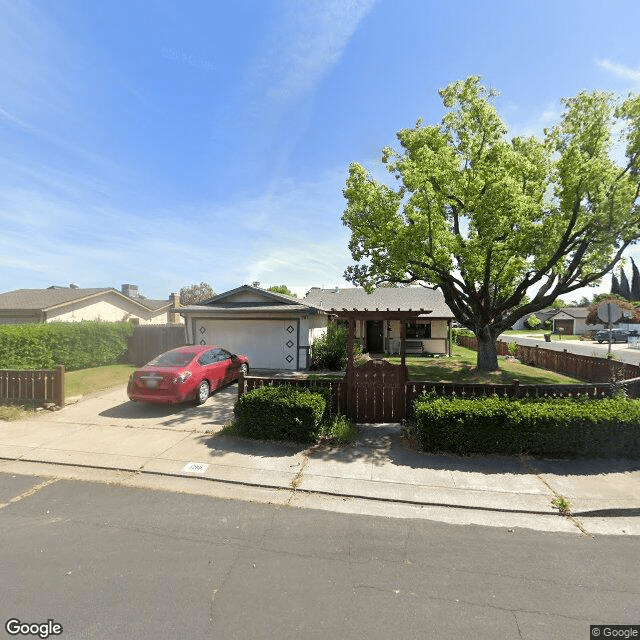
point(168, 143)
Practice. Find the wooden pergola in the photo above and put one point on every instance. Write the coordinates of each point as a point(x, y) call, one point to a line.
point(388, 376)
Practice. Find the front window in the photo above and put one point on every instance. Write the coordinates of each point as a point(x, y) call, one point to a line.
point(419, 330)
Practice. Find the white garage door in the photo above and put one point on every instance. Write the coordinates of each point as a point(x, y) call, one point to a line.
point(269, 344)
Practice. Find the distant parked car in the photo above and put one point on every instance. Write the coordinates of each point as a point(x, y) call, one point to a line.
point(185, 374)
point(617, 335)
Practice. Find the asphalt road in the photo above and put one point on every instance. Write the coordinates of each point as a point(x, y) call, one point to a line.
point(106, 561)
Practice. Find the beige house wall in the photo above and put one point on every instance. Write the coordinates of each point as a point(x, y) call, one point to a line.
point(109, 309)
point(436, 344)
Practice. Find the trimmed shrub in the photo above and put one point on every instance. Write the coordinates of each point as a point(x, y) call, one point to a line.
point(559, 427)
point(280, 413)
point(76, 345)
point(330, 351)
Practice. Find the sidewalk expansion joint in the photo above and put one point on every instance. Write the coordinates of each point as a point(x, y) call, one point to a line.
point(567, 514)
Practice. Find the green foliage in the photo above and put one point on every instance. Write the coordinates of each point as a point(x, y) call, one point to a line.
point(557, 427)
point(280, 413)
point(533, 322)
point(283, 289)
point(330, 351)
point(512, 348)
point(340, 430)
point(76, 345)
point(488, 218)
point(196, 293)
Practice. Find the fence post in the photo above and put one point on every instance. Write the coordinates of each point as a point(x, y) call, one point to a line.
point(240, 384)
point(59, 386)
point(516, 388)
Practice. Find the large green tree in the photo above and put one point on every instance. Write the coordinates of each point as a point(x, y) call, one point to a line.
point(503, 226)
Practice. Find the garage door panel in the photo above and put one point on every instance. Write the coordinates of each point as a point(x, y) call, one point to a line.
point(269, 344)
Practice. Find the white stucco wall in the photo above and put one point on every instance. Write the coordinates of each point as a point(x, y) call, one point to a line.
point(110, 308)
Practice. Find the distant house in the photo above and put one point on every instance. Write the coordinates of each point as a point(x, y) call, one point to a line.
point(429, 333)
point(543, 316)
point(571, 321)
point(74, 304)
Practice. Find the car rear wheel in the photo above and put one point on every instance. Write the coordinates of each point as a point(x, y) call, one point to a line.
point(244, 369)
point(202, 393)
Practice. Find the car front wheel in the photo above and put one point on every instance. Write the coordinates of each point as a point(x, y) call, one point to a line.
point(244, 369)
point(202, 392)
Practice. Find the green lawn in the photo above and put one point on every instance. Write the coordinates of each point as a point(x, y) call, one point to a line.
point(87, 381)
point(461, 367)
point(538, 333)
point(82, 382)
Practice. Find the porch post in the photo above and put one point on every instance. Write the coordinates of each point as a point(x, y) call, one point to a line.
point(350, 390)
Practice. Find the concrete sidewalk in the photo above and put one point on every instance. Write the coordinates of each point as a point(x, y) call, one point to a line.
point(181, 449)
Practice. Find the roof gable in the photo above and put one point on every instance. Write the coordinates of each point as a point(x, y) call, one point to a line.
point(248, 296)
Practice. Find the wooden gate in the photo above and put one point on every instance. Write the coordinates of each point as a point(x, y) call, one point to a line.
point(376, 392)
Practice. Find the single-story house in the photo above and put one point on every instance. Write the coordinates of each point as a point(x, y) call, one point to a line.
point(428, 333)
point(273, 330)
point(74, 304)
point(571, 321)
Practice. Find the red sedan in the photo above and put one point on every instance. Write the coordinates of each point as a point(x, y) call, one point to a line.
point(186, 373)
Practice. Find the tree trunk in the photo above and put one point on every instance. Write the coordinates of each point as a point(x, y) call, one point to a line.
point(487, 351)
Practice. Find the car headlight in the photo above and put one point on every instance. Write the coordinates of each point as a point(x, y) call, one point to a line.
point(182, 378)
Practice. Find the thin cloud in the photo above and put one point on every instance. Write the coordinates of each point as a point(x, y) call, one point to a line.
point(310, 43)
point(621, 71)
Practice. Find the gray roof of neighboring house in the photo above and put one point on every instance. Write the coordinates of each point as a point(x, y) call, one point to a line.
point(43, 299)
point(574, 312)
point(392, 298)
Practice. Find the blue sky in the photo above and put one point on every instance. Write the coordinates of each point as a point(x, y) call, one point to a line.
point(168, 143)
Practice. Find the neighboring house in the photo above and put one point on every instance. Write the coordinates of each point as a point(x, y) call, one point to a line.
point(73, 304)
point(571, 321)
point(273, 330)
point(543, 316)
point(428, 333)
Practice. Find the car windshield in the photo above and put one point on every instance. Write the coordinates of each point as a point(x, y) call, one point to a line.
point(172, 359)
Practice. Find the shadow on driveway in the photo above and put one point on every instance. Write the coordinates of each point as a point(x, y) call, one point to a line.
point(216, 411)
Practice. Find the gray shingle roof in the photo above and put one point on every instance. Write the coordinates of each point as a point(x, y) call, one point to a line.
point(393, 298)
point(48, 298)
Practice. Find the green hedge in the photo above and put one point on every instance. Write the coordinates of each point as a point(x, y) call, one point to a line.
point(556, 428)
point(280, 413)
point(76, 345)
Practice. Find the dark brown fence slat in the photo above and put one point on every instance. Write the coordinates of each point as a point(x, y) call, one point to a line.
point(149, 341)
point(34, 387)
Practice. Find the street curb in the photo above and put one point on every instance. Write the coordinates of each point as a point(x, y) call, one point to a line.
point(292, 490)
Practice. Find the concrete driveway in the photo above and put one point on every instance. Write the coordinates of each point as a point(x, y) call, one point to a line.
point(113, 408)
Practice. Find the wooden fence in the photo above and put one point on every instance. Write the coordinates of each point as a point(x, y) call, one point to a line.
point(413, 389)
point(33, 387)
point(588, 368)
point(149, 341)
point(337, 388)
